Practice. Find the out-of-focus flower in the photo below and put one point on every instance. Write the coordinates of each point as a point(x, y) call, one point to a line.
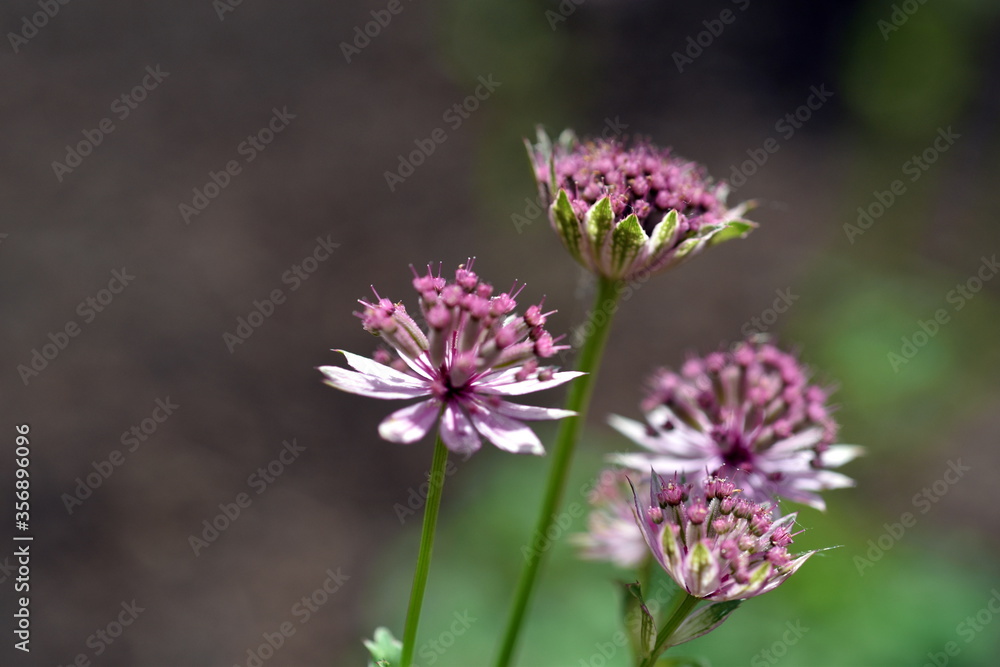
point(612, 533)
point(624, 211)
point(749, 414)
point(715, 545)
point(475, 352)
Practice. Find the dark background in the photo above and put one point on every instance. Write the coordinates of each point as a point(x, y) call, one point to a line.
point(334, 507)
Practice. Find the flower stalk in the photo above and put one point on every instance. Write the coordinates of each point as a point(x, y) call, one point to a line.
point(435, 487)
point(680, 614)
point(578, 401)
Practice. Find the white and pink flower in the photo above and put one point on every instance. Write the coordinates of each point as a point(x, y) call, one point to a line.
point(475, 353)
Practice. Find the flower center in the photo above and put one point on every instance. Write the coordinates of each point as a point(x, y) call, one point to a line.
point(734, 448)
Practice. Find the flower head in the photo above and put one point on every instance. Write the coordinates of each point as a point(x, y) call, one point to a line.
point(629, 211)
point(612, 533)
point(714, 544)
point(474, 352)
point(749, 414)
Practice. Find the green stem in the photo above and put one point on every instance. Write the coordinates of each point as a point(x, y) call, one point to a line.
point(681, 612)
point(435, 486)
point(578, 400)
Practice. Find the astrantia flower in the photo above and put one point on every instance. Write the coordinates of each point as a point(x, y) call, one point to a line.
point(612, 533)
point(716, 545)
point(475, 352)
point(749, 414)
point(628, 211)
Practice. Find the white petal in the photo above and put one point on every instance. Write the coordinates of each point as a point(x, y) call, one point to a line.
point(635, 431)
point(502, 386)
point(795, 443)
point(518, 411)
point(662, 414)
point(682, 441)
point(508, 434)
point(381, 371)
point(368, 385)
point(664, 465)
point(838, 455)
point(457, 432)
point(822, 480)
point(411, 423)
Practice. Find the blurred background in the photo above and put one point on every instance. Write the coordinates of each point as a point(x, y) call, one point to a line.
point(168, 167)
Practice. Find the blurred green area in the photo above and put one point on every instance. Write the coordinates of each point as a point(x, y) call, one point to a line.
point(906, 604)
point(868, 296)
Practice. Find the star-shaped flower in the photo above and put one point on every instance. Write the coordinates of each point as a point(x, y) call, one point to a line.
point(749, 414)
point(476, 351)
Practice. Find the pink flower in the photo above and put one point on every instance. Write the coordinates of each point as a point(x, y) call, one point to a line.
point(612, 534)
point(749, 414)
point(475, 352)
point(628, 211)
point(715, 545)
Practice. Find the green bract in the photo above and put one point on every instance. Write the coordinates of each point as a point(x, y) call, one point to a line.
point(627, 212)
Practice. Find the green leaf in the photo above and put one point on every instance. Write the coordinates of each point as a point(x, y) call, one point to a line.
point(567, 225)
point(639, 622)
point(705, 568)
point(567, 139)
point(599, 221)
point(386, 650)
point(627, 240)
point(543, 148)
point(703, 621)
point(671, 549)
point(664, 233)
point(733, 230)
point(544, 145)
point(687, 247)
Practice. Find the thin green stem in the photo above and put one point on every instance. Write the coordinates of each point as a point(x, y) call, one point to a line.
point(578, 400)
point(681, 612)
point(435, 486)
